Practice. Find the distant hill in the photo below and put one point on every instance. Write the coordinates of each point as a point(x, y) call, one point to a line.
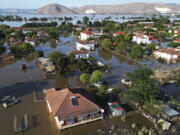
point(17, 11)
point(54, 9)
point(131, 8)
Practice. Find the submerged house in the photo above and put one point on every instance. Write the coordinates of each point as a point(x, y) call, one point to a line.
point(143, 39)
point(79, 54)
point(71, 109)
point(84, 35)
point(170, 55)
point(117, 34)
point(46, 65)
point(31, 41)
point(80, 44)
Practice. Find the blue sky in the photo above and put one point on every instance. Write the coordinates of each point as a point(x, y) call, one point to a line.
point(28, 4)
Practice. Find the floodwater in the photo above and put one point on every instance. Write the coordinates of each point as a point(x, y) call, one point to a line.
point(75, 17)
point(21, 84)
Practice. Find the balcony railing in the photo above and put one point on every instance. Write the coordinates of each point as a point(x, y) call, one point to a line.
point(81, 122)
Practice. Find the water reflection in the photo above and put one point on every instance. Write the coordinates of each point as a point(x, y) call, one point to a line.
point(104, 54)
point(172, 90)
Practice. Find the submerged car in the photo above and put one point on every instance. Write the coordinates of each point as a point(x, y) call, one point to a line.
point(116, 109)
point(9, 101)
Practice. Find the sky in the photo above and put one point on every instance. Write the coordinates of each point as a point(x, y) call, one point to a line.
point(34, 4)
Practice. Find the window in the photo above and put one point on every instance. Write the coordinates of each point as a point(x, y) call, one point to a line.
point(74, 101)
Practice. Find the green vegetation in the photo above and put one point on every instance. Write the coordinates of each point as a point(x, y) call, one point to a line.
point(66, 27)
point(150, 47)
point(84, 66)
point(84, 78)
point(31, 25)
point(136, 52)
point(96, 76)
point(144, 89)
point(85, 20)
point(2, 49)
point(38, 54)
point(122, 47)
point(21, 50)
point(60, 61)
point(10, 18)
point(54, 56)
point(173, 44)
point(106, 44)
point(19, 35)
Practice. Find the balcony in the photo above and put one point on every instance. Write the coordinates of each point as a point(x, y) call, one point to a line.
point(81, 122)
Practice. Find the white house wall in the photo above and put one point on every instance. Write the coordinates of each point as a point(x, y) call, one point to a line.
point(84, 36)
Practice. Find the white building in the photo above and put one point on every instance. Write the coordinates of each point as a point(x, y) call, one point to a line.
point(170, 55)
point(142, 39)
point(45, 64)
point(80, 54)
point(84, 45)
point(84, 35)
point(162, 10)
point(31, 41)
point(90, 11)
point(71, 109)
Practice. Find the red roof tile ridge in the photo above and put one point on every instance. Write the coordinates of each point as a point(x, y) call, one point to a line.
point(63, 101)
point(50, 93)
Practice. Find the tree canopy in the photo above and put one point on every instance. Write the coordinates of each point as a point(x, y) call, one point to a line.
point(144, 89)
point(54, 56)
point(96, 76)
point(84, 78)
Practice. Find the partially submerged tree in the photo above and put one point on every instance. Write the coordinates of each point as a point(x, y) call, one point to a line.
point(144, 89)
point(96, 76)
point(84, 78)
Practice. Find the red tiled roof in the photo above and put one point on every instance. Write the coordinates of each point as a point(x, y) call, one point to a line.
point(151, 37)
point(62, 107)
point(118, 33)
point(171, 51)
point(86, 32)
point(178, 40)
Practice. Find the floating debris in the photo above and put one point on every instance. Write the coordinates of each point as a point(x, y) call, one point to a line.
point(9, 101)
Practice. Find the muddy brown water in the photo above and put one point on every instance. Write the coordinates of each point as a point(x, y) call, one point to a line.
point(21, 84)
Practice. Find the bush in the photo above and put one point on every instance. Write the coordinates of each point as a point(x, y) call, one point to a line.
point(38, 54)
point(2, 49)
point(96, 76)
point(84, 78)
point(173, 44)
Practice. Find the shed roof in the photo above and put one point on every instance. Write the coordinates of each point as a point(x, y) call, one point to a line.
point(170, 112)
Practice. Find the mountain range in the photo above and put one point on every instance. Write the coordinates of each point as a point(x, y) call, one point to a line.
point(56, 9)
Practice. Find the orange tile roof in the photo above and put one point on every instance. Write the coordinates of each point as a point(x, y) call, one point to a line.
point(62, 107)
point(86, 32)
point(171, 51)
point(118, 33)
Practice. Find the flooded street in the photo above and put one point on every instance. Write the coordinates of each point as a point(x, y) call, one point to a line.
point(21, 84)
